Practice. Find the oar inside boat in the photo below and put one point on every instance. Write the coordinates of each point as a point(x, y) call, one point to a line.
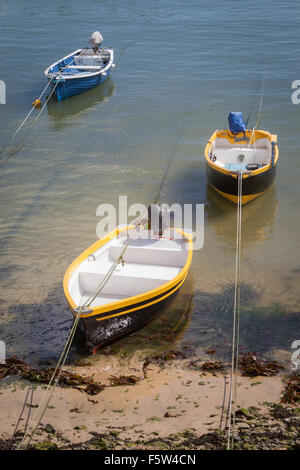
point(254, 153)
point(152, 268)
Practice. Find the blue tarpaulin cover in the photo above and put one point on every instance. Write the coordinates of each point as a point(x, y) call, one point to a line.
point(236, 123)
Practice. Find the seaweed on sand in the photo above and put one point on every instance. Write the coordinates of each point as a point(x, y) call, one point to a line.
point(209, 366)
point(252, 366)
point(124, 380)
point(129, 379)
point(186, 350)
point(291, 392)
point(213, 366)
point(14, 366)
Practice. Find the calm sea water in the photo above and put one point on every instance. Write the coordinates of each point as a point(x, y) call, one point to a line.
point(184, 66)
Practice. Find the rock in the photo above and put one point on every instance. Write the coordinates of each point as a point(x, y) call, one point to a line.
point(297, 445)
point(244, 426)
point(100, 444)
point(49, 428)
point(249, 446)
point(244, 412)
point(46, 445)
point(170, 414)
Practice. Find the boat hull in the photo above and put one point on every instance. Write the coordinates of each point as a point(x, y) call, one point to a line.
point(252, 187)
point(98, 332)
point(254, 154)
point(75, 86)
point(105, 322)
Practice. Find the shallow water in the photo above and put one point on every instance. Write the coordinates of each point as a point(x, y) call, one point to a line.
point(184, 67)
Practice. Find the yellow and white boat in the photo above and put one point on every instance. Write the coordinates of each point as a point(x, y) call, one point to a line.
point(254, 153)
point(152, 269)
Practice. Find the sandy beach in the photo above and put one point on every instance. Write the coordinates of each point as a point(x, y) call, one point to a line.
point(174, 406)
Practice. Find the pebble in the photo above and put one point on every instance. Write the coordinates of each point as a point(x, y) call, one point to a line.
point(170, 414)
point(244, 426)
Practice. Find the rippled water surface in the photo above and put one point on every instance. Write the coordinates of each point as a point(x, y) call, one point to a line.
point(183, 67)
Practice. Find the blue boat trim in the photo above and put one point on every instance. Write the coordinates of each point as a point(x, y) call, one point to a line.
point(77, 73)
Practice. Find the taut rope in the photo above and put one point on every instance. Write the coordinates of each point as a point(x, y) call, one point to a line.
point(18, 147)
point(236, 319)
point(38, 416)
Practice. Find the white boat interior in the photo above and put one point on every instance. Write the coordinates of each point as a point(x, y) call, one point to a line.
point(81, 62)
point(237, 157)
point(88, 59)
point(149, 262)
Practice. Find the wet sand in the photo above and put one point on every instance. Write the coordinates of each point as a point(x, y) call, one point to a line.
point(170, 400)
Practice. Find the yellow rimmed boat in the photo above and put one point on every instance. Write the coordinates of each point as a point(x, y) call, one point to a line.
point(152, 270)
point(254, 153)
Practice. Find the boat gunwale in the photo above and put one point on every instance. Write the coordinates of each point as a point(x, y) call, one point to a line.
point(152, 301)
point(131, 299)
point(53, 75)
point(250, 173)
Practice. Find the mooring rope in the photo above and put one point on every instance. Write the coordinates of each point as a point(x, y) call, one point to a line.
point(44, 403)
point(18, 147)
point(260, 103)
point(123, 50)
point(237, 296)
point(38, 416)
point(129, 44)
point(236, 319)
point(23, 122)
point(30, 388)
point(29, 409)
point(168, 166)
point(120, 259)
point(236, 309)
point(90, 300)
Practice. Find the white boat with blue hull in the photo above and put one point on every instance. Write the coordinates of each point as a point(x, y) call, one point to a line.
point(80, 71)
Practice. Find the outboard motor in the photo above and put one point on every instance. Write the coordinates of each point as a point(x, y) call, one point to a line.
point(95, 40)
point(158, 219)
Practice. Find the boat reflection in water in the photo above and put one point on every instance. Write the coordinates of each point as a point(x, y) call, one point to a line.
point(60, 111)
point(258, 217)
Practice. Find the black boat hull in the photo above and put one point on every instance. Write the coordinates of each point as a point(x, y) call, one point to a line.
point(98, 332)
point(252, 186)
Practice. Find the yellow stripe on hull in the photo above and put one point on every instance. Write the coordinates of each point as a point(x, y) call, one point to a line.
point(126, 304)
point(145, 305)
point(232, 198)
